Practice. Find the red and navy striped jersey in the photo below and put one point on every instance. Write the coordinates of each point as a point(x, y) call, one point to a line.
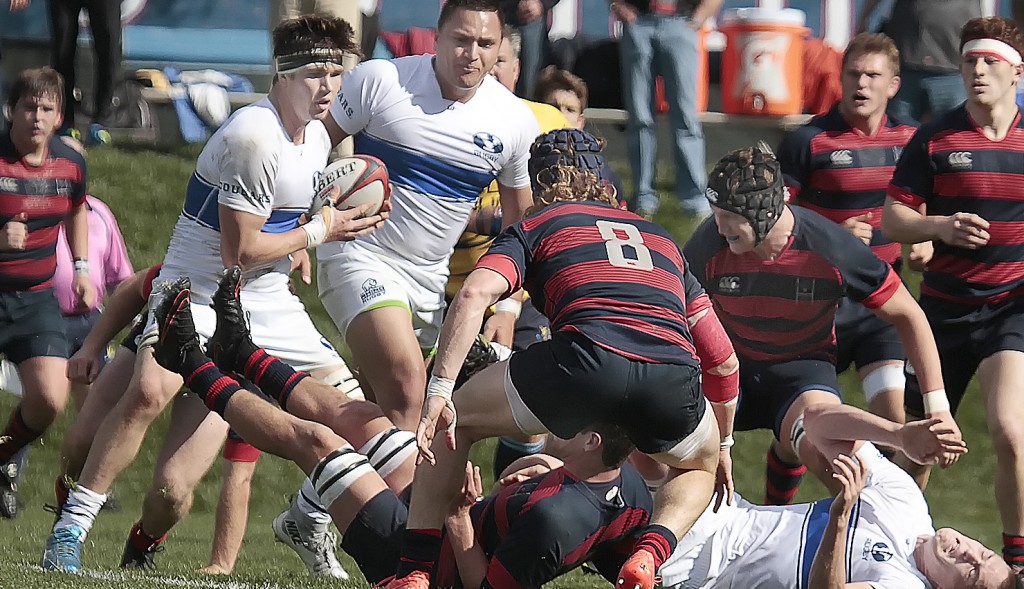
point(548, 525)
point(840, 173)
point(605, 273)
point(46, 193)
point(784, 309)
point(951, 167)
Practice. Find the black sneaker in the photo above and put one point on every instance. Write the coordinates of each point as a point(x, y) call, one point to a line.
point(231, 342)
point(9, 489)
point(133, 558)
point(480, 356)
point(177, 331)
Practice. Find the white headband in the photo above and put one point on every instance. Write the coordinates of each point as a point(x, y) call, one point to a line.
point(993, 48)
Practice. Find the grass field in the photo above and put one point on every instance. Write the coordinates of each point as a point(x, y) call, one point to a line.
point(145, 188)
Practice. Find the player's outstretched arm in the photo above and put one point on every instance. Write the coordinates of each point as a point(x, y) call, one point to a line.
point(906, 224)
point(916, 334)
point(482, 289)
point(839, 429)
point(828, 571)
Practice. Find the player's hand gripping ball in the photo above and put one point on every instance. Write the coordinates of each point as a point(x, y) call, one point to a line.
point(361, 179)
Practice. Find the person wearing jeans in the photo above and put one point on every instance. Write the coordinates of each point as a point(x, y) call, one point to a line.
point(659, 37)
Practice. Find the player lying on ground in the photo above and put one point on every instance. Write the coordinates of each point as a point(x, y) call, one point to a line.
point(616, 289)
point(876, 534)
point(531, 531)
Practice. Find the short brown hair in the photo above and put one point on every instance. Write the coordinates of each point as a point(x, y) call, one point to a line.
point(36, 83)
point(615, 443)
point(312, 31)
point(873, 43)
point(993, 27)
point(552, 79)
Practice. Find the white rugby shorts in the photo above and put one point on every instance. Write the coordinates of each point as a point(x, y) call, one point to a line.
point(357, 280)
point(277, 319)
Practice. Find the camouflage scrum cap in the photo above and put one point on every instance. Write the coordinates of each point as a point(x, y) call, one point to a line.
point(748, 182)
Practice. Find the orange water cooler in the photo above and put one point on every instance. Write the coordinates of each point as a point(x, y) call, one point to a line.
point(763, 61)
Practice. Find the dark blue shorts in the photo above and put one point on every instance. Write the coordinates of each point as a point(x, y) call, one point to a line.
point(570, 383)
point(965, 336)
point(767, 389)
point(864, 338)
point(31, 326)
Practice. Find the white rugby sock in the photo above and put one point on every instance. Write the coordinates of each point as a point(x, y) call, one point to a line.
point(307, 510)
point(10, 380)
point(81, 509)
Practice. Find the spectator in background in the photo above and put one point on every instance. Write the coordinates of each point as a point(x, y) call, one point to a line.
point(105, 24)
point(660, 37)
point(927, 33)
point(530, 18)
point(568, 93)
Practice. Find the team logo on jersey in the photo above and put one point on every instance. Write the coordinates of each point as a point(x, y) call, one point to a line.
point(488, 142)
point(897, 151)
point(877, 551)
point(371, 290)
point(961, 160)
point(841, 157)
point(8, 185)
point(729, 284)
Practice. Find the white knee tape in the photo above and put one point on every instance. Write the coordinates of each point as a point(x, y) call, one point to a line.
point(338, 471)
point(343, 380)
point(884, 378)
point(387, 450)
point(796, 435)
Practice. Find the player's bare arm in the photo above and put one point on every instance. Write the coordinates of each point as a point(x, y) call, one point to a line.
point(908, 225)
point(828, 570)
point(77, 227)
point(721, 387)
point(243, 242)
point(912, 326)
point(500, 327)
point(122, 306)
point(482, 289)
point(469, 555)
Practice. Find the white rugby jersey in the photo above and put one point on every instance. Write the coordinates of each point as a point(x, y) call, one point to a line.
point(250, 165)
point(749, 546)
point(440, 154)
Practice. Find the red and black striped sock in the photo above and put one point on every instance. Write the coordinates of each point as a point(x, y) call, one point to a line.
point(659, 541)
point(782, 479)
point(61, 488)
point(16, 436)
point(420, 549)
point(206, 380)
point(272, 376)
point(142, 541)
point(1013, 550)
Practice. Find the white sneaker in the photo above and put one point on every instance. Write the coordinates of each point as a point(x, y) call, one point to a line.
point(315, 548)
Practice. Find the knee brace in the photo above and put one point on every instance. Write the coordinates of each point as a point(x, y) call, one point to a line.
point(338, 471)
point(387, 450)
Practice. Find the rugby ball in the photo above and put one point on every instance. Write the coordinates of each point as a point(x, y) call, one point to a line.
point(360, 179)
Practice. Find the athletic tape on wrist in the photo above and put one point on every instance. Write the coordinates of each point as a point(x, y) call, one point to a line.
point(439, 386)
point(509, 306)
point(935, 402)
point(727, 442)
point(316, 230)
point(81, 266)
